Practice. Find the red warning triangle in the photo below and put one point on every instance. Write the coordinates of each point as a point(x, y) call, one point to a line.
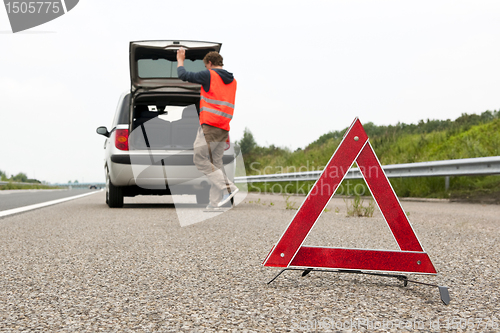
point(289, 252)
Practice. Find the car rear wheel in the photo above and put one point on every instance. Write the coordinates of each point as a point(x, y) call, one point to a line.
point(203, 197)
point(114, 194)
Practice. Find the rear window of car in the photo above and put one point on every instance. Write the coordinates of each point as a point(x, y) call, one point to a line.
point(164, 68)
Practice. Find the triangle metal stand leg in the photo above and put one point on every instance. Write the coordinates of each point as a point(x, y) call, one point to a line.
point(443, 291)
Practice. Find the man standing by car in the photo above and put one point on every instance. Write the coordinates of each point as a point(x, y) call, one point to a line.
point(217, 96)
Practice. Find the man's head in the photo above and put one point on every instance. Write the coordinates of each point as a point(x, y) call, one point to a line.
point(213, 60)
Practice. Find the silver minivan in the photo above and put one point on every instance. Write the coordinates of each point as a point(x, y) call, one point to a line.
point(149, 148)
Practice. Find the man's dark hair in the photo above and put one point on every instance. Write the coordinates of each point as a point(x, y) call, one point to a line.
point(214, 57)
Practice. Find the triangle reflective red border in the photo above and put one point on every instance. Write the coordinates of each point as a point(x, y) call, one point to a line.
point(289, 252)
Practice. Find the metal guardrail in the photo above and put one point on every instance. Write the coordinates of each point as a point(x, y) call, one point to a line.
point(458, 167)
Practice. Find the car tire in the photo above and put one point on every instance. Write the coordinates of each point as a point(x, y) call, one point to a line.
point(114, 194)
point(203, 197)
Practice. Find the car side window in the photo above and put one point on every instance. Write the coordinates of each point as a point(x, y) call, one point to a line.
point(122, 112)
point(125, 111)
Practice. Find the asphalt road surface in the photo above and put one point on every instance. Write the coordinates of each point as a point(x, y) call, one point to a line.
point(80, 266)
point(10, 199)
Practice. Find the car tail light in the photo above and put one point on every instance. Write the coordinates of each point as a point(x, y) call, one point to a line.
point(121, 139)
point(228, 143)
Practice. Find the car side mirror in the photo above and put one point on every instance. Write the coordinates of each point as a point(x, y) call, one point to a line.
point(103, 131)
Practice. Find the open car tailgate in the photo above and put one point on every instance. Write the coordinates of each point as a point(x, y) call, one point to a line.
point(153, 64)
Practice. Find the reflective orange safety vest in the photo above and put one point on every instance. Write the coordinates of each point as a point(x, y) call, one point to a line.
point(217, 105)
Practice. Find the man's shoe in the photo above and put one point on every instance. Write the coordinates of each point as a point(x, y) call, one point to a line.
point(211, 208)
point(228, 197)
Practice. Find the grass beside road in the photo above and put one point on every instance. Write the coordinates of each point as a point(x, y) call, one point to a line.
point(11, 186)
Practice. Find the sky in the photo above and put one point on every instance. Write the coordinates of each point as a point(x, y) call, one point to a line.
point(304, 68)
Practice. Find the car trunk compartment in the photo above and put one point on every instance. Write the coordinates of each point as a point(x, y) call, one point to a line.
point(164, 122)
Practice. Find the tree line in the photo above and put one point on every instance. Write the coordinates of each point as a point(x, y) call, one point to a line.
point(21, 177)
point(249, 146)
point(461, 124)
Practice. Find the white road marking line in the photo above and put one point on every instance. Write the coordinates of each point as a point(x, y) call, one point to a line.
point(43, 204)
